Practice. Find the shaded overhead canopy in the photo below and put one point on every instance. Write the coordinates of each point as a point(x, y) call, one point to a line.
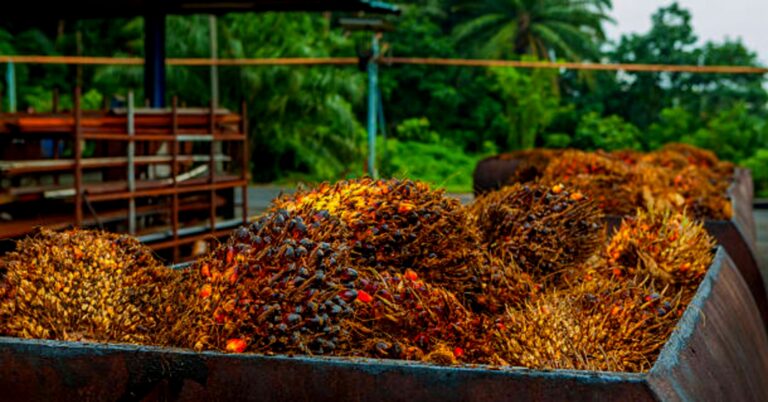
point(129, 8)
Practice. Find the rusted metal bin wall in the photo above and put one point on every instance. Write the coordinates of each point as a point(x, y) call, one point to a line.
point(718, 352)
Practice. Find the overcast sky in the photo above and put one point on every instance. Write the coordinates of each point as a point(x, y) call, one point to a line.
point(712, 20)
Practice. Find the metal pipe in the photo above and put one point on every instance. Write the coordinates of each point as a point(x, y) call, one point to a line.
point(10, 77)
point(131, 166)
point(78, 149)
point(382, 123)
point(212, 167)
point(214, 44)
point(154, 65)
point(174, 173)
point(373, 71)
point(246, 157)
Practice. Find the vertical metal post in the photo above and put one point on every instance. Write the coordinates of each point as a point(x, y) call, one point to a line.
point(131, 165)
point(373, 82)
point(56, 142)
point(174, 173)
point(214, 44)
point(78, 137)
point(10, 78)
point(212, 167)
point(382, 124)
point(246, 157)
point(154, 63)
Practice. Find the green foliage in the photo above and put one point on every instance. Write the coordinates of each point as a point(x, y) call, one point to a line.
point(417, 129)
point(531, 103)
point(758, 164)
point(442, 165)
point(307, 122)
point(673, 124)
point(734, 134)
point(607, 133)
point(572, 29)
point(557, 140)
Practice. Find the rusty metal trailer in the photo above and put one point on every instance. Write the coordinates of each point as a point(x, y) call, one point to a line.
point(719, 351)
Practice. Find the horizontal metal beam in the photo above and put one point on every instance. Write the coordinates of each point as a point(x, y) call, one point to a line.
point(311, 61)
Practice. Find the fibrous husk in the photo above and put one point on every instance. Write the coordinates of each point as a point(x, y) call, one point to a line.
point(602, 325)
point(693, 155)
point(668, 246)
point(85, 285)
point(617, 313)
point(407, 318)
point(540, 228)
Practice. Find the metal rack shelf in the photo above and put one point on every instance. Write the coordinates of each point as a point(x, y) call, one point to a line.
point(161, 154)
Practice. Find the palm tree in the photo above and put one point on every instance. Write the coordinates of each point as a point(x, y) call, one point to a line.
point(571, 29)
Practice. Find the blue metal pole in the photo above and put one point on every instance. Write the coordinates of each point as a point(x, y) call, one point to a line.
point(10, 78)
point(154, 59)
point(382, 124)
point(373, 82)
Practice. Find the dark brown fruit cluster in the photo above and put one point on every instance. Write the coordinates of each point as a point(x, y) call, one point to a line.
point(542, 229)
point(278, 287)
point(608, 181)
point(394, 225)
point(678, 176)
point(274, 287)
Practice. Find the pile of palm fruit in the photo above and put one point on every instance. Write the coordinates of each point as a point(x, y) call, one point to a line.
point(80, 285)
point(677, 176)
point(382, 268)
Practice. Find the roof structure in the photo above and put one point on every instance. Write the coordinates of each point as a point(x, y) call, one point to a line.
point(154, 12)
point(129, 8)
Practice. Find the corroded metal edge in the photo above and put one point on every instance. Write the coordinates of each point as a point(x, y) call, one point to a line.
point(719, 350)
point(737, 237)
point(53, 370)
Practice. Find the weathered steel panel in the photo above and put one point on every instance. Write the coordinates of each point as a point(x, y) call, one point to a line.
point(719, 351)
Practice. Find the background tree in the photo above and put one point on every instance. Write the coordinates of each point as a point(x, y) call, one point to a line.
point(571, 29)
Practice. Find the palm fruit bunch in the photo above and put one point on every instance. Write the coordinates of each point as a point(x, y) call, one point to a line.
point(693, 179)
point(705, 191)
point(85, 285)
point(274, 287)
point(394, 225)
point(693, 155)
point(277, 287)
point(608, 181)
point(405, 317)
point(542, 229)
point(628, 156)
point(602, 325)
point(667, 246)
point(618, 310)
